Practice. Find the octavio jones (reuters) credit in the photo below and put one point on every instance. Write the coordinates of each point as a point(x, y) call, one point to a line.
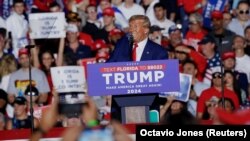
point(205, 132)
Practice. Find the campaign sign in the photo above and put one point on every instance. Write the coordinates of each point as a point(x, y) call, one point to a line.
point(47, 25)
point(85, 61)
point(212, 5)
point(185, 86)
point(68, 79)
point(133, 77)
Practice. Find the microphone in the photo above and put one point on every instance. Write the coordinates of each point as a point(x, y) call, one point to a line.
point(130, 39)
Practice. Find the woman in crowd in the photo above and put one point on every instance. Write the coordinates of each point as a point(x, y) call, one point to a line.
point(46, 60)
point(176, 112)
point(231, 83)
point(8, 65)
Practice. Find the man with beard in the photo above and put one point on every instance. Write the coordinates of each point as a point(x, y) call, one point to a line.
point(223, 37)
point(19, 80)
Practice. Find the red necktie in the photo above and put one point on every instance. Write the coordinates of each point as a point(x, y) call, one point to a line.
point(134, 51)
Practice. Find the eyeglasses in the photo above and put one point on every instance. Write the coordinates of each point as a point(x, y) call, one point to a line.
point(180, 52)
point(33, 93)
point(244, 12)
point(217, 75)
point(192, 23)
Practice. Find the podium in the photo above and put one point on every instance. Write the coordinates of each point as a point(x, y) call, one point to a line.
point(135, 108)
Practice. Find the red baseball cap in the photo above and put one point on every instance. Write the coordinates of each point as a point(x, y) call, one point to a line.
point(99, 43)
point(116, 31)
point(216, 15)
point(22, 51)
point(108, 12)
point(78, 1)
point(229, 54)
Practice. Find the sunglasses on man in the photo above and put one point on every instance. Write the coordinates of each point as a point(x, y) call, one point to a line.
point(244, 12)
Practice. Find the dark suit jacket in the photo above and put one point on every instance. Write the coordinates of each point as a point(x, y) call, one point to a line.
point(123, 51)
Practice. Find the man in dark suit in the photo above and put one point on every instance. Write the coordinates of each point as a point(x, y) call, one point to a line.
point(136, 46)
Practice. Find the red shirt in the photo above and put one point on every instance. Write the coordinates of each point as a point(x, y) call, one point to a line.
point(43, 4)
point(86, 39)
point(189, 5)
point(208, 93)
point(192, 39)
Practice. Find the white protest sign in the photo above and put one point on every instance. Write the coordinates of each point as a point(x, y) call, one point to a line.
point(68, 79)
point(185, 87)
point(47, 25)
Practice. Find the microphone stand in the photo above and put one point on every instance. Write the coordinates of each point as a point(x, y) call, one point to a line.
point(30, 87)
point(220, 36)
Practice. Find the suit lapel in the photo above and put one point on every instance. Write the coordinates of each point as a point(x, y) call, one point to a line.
point(146, 54)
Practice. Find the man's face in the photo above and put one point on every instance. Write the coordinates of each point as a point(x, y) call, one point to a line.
point(217, 23)
point(19, 8)
point(72, 37)
point(92, 14)
point(138, 30)
point(104, 4)
point(247, 34)
point(243, 12)
point(189, 68)
point(160, 13)
point(19, 109)
point(238, 43)
point(175, 36)
point(24, 61)
point(207, 48)
point(229, 63)
point(108, 20)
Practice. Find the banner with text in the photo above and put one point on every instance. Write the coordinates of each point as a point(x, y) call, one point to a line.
point(212, 5)
point(185, 86)
point(133, 77)
point(47, 25)
point(68, 79)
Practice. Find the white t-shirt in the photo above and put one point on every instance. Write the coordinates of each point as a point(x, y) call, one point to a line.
point(163, 24)
point(18, 26)
point(134, 10)
point(2, 23)
point(242, 65)
point(5, 82)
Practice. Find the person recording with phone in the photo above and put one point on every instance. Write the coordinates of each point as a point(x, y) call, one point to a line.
point(136, 46)
point(78, 133)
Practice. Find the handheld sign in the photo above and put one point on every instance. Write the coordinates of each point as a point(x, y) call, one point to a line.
point(47, 25)
point(68, 79)
point(185, 86)
point(212, 5)
point(133, 77)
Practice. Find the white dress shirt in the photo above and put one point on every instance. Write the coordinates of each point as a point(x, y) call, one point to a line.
point(140, 49)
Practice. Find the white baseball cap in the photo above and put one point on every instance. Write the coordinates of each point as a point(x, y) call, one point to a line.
point(72, 28)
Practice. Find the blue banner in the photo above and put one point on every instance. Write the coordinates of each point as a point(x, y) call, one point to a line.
point(133, 77)
point(211, 6)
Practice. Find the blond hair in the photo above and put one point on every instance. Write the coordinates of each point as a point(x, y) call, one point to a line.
point(146, 21)
point(8, 65)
